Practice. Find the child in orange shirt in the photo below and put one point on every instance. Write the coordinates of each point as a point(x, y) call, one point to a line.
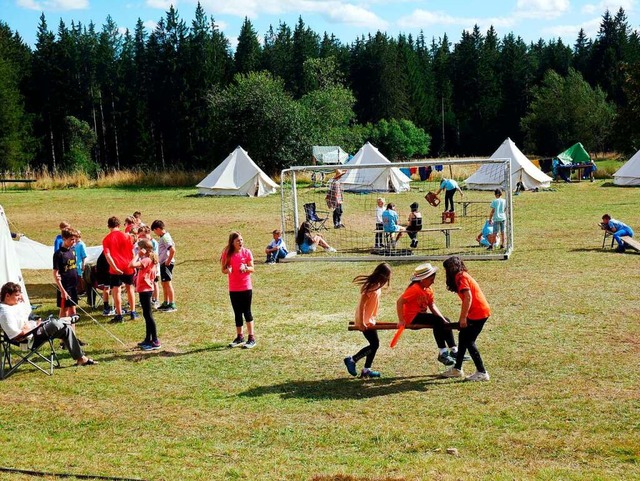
point(474, 313)
point(366, 312)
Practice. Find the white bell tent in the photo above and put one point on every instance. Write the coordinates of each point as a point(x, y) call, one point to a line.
point(522, 170)
point(385, 179)
point(629, 173)
point(237, 175)
point(9, 265)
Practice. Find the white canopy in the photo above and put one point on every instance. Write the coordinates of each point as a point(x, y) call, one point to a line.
point(325, 154)
point(34, 255)
point(237, 175)
point(487, 177)
point(629, 173)
point(386, 179)
point(9, 267)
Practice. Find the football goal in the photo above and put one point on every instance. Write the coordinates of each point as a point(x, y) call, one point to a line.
point(304, 191)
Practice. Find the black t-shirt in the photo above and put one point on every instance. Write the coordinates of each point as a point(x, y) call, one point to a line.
point(64, 261)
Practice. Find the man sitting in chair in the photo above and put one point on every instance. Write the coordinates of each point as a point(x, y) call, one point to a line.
point(14, 320)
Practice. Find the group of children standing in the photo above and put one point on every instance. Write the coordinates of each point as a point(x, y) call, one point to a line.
point(417, 305)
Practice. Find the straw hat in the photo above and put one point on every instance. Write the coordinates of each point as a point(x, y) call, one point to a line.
point(339, 173)
point(423, 271)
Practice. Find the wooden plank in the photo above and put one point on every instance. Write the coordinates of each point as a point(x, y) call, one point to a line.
point(631, 242)
point(386, 326)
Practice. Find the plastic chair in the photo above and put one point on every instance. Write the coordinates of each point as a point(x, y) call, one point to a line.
point(315, 221)
point(27, 350)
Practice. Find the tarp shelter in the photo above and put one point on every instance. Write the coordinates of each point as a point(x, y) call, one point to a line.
point(385, 179)
point(324, 154)
point(237, 175)
point(629, 173)
point(574, 155)
point(487, 177)
point(9, 266)
point(35, 255)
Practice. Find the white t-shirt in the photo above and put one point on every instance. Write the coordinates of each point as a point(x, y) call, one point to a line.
point(14, 318)
point(379, 211)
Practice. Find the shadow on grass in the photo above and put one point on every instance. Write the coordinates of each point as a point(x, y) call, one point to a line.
point(137, 355)
point(345, 388)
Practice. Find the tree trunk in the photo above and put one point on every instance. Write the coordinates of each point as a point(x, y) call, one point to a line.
point(115, 132)
point(53, 148)
point(104, 130)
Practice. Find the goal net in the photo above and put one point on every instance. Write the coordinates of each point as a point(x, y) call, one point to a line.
point(304, 191)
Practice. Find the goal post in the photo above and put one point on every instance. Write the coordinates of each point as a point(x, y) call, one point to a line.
point(401, 183)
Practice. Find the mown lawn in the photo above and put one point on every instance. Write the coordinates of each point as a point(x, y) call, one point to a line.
point(562, 348)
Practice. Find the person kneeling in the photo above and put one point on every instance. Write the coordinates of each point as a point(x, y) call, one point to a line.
point(14, 319)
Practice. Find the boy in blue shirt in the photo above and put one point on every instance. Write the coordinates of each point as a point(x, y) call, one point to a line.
point(276, 249)
point(497, 217)
point(618, 230)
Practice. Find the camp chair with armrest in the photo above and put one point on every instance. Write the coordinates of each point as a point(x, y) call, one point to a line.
point(27, 351)
point(315, 221)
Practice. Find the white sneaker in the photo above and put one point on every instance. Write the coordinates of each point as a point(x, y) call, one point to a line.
point(478, 376)
point(453, 372)
point(330, 249)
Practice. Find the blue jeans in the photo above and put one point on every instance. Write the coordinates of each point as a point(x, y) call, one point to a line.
point(625, 231)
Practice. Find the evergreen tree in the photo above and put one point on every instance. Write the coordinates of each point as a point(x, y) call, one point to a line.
point(248, 53)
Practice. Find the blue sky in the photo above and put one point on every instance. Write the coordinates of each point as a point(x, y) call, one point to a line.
point(347, 19)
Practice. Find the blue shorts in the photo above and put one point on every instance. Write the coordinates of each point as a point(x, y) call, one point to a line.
point(498, 226)
point(307, 248)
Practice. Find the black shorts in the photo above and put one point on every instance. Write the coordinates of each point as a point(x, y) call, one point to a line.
point(116, 280)
point(72, 297)
point(166, 273)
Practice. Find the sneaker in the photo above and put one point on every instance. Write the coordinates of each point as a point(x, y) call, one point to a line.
point(145, 346)
point(238, 341)
point(351, 366)
point(171, 307)
point(143, 343)
point(453, 372)
point(117, 319)
point(368, 374)
point(490, 248)
point(152, 346)
point(330, 249)
point(155, 304)
point(109, 311)
point(478, 376)
point(454, 355)
point(163, 306)
point(133, 315)
point(155, 345)
point(414, 243)
point(250, 344)
point(446, 359)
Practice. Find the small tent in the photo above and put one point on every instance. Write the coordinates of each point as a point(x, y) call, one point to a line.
point(487, 177)
point(237, 175)
point(629, 173)
point(385, 179)
point(574, 155)
point(9, 266)
point(323, 154)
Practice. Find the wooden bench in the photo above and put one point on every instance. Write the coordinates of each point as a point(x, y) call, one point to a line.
point(4, 182)
point(607, 233)
point(387, 326)
point(446, 230)
point(631, 242)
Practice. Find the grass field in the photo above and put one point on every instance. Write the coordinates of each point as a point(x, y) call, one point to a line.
point(562, 347)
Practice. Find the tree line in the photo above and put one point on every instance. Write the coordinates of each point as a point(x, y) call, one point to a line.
point(179, 97)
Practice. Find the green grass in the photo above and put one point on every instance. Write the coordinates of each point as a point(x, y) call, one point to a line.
point(561, 346)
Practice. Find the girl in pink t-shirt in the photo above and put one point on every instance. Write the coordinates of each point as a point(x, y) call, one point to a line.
point(370, 290)
point(237, 264)
point(146, 261)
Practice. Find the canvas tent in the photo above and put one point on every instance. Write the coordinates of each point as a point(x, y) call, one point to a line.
point(385, 179)
point(574, 155)
point(9, 266)
point(629, 173)
point(323, 154)
point(237, 175)
point(522, 170)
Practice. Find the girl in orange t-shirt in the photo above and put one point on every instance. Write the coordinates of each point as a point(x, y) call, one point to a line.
point(474, 313)
point(366, 312)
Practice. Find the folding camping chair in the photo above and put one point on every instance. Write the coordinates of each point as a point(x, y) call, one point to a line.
point(315, 221)
point(26, 351)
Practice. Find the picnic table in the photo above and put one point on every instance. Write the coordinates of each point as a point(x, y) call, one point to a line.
point(446, 230)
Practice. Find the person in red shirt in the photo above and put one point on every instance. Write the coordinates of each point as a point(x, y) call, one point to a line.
point(417, 305)
point(118, 250)
point(474, 313)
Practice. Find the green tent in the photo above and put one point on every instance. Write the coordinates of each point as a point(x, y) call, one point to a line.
point(574, 155)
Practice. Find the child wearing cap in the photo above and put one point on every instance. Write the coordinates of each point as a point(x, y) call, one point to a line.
point(413, 306)
point(370, 291)
point(474, 313)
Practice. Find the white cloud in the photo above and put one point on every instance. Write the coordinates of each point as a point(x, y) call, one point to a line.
point(161, 4)
point(47, 5)
point(590, 28)
point(611, 5)
point(424, 18)
point(546, 9)
point(150, 25)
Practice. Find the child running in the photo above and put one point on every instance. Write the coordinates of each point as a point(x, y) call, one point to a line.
point(237, 264)
point(366, 312)
point(146, 261)
point(474, 313)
